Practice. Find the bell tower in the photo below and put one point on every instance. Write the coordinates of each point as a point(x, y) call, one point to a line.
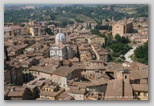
point(126, 76)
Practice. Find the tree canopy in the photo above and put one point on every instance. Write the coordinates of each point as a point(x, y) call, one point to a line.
point(48, 31)
point(141, 53)
point(122, 39)
point(71, 12)
point(119, 48)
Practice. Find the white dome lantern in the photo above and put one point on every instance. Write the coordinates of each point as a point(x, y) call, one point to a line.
point(60, 38)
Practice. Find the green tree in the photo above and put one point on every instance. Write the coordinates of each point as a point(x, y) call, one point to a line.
point(118, 37)
point(52, 17)
point(124, 40)
point(70, 22)
point(95, 31)
point(64, 24)
point(103, 45)
point(119, 48)
point(50, 23)
point(110, 37)
point(141, 53)
point(22, 25)
point(48, 31)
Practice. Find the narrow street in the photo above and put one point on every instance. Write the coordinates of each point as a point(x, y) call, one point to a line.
point(130, 52)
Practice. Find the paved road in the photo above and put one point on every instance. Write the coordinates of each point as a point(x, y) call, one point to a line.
point(130, 52)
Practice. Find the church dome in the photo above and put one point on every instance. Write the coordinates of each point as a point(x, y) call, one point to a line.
point(60, 37)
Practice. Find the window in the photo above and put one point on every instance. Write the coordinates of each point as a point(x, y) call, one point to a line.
point(138, 93)
point(125, 77)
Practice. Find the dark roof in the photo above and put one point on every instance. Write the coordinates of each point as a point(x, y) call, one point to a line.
point(52, 94)
point(140, 87)
point(114, 90)
point(91, 66)
point(48, 69)
point(16, 91)
point(112, 67)
point(66, 96)
point(39, 83)
point(32, 87)
point(128, 91)
point(65, 70)
point(76, 90)
point(139, 74)
point(101, 81)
